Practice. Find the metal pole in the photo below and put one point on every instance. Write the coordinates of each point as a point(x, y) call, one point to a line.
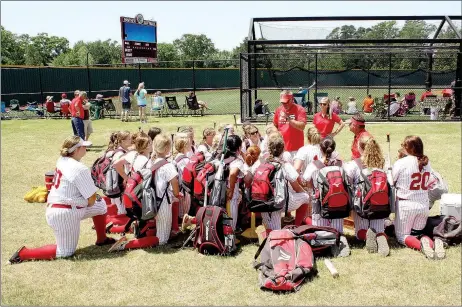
point(41, 86)
point(429, 79)
point(139, 72)
point(368, 78)
point(458, 86)
point(88, 77)
point(389, 85)
point(194, 76)
point(315, 100)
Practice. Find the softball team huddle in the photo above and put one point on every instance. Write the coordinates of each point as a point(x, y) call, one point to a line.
point(73, 194)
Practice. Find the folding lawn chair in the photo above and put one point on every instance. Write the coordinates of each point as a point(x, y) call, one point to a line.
point(172, 106)
point(15, 109)
point(5, 112)
point(51, 111)
point(193, 106)
point(157, 105)
point(32, 109)
point(109, 108)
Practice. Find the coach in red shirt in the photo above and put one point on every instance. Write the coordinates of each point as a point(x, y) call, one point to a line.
point(77, 114)
point(357, 125)
point(325, 120)
point(290, 119)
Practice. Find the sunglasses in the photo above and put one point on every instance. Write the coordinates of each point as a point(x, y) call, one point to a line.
point(253, 133)
point(323, 104)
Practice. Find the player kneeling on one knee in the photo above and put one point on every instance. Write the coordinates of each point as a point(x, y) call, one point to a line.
point(410, 176)
point(369, 230)
point(72, 198)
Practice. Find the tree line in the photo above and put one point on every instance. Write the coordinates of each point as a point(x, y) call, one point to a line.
point(46, 50)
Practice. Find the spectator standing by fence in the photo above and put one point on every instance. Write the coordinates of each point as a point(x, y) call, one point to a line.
point(124, 96)
point(77, 115)
point(290, 119)
point(87, 125)
point(141, 98)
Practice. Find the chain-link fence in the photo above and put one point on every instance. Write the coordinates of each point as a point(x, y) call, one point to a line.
point(382, 86)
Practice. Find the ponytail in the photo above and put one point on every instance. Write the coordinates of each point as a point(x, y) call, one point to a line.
point(372, 153)
point(327, 148)
point(423, 161)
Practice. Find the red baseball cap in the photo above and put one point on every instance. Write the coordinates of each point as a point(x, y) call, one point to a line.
point(286, 98)
point(63, 95)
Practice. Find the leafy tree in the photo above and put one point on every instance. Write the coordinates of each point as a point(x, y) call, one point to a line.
point(242, 48)
point(194, 47)
point(43, 49)
point(13, 47)
point(167, 52)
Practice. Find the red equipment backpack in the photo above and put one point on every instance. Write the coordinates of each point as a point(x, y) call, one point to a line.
point(269, 191)
point(332, 193)
point(372, 199)
point(190, 171)
point(214, 233)
point(286, 261)
point(140, 194)
point(105, 176)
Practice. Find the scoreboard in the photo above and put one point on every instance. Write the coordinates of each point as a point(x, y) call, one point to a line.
point(139, 40)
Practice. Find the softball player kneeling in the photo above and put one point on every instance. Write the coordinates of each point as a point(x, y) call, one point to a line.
point(411, 175)
point(72, 198)
point(297, 196)
point(371, 231)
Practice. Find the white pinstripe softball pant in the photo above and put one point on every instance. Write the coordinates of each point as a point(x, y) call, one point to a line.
point(66, 225)
point(185, 204)
point(234, 206)
point(409, 215)
point(272, 220)
point(360, 223)
point(164, 223)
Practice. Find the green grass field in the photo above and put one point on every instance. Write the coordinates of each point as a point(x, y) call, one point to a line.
point(169, 276)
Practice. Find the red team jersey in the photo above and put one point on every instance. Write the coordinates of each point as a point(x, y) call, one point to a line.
point(293, 138)
point(325, 125)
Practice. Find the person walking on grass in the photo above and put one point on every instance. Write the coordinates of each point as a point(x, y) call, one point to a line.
point(141, 98)
point(124, 97)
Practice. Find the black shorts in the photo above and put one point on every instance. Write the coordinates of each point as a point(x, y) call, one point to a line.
point(126, 105)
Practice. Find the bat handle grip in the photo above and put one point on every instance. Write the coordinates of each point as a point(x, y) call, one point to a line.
point(388, 138)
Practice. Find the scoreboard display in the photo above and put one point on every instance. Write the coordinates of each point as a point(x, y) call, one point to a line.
point(139, 40)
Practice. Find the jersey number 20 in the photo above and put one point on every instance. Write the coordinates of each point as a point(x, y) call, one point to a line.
point(419, 181)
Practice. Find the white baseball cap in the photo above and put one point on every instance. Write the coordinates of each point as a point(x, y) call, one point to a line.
point(126, 82)
point(81, 143)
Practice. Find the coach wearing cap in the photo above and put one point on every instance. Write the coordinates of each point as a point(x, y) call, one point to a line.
point(357, 125)
point(290, 119)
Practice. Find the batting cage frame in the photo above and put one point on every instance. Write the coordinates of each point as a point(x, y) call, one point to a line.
point(272, 65)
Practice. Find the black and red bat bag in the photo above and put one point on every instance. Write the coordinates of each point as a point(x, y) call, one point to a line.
point(214, 234)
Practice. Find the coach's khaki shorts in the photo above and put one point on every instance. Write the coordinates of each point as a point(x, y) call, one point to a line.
point(88, 127)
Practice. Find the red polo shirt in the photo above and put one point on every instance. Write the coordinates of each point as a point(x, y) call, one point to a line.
point(325, 125)
point(293, 138)
point(76, 104)
point(355, 154)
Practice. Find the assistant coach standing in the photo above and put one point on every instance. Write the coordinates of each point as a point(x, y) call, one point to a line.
point(290, 119)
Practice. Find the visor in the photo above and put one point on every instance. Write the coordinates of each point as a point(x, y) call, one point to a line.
point(81, 143)
point(286, 98)
point(354, 121)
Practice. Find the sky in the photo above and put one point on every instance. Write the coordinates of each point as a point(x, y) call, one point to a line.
point(225, 23)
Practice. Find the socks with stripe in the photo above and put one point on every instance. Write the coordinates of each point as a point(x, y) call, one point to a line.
point(47, 252)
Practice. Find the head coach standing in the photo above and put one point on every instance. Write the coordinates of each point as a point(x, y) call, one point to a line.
point(357, 125)
point(290, 119)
